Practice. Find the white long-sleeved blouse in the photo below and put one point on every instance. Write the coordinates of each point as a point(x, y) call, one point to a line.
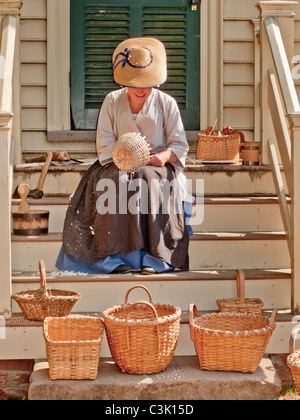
point(159, 121)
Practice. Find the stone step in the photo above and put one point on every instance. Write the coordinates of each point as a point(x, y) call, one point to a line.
point(212, 250)
point(183, 380)
point(222, 214)
point(203, 288)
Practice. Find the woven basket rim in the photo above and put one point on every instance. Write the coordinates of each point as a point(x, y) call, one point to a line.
point(236, 301)
point(82, 318)
point(216, 137)
point(291, 359)
point(108, 314)
point(225, 333)
point(32, 295)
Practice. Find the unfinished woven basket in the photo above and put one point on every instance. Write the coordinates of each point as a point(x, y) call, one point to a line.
point(36, 305)
point(241, 304)
point(73, 346)
point(293, 360)
point(142, 337)
point(218, 148)
point(131, 152)
point(230, 341)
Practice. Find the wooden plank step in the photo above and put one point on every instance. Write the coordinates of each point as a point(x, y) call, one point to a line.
point(228, 214)
point(203, 275)
point(178, 288)
point(208, 250)
point(24, 339)
point(234, 179)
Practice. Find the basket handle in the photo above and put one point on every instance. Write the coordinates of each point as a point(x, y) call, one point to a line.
point(293, 339)
point(43, 278)
point(135, 287)
point(156, 316)
point(240, 285)
point(193, 311)
point(273, 317)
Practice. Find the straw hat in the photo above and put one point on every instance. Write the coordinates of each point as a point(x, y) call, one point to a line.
point(140, 63)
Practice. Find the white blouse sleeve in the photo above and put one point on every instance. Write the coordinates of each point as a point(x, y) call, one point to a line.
point(176, 140)
point(105, 138)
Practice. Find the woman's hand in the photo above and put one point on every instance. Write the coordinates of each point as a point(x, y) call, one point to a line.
point(160, 159)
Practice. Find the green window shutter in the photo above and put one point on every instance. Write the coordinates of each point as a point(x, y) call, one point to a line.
point(96, 30)
point(98, 27)
point(178, 27)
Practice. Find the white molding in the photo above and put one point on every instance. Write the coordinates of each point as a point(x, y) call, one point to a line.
point(211, 74)
point(58, 65)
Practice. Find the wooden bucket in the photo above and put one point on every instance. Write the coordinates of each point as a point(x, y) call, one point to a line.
point(32, 223)
point(250, 153)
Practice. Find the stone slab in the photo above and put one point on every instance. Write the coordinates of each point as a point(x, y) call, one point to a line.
point(183, 380)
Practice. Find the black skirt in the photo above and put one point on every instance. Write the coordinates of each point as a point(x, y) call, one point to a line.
point(113, 213)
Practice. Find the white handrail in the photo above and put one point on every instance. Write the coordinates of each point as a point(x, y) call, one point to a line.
point(284, 73)
point(7, 61)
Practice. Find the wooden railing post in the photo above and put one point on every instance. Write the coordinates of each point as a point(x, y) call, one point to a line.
point(9, 11)
point(284, 12)
point(294, 121)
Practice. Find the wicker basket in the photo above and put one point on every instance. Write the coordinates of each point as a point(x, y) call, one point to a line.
point(36, 305)
point(131, 152)
point(142, 337)
point(240, 304)
point(73, 346)
point(293, 360)
point(219, 148)
point(229, 341)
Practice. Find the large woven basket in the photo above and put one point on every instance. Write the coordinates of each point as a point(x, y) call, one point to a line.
point(241, 304)
point(73, 346)
point(219, 147)
point(131, 152)
point(36, 305)
point(229, 341)
point(293, 360)
point(142, 337)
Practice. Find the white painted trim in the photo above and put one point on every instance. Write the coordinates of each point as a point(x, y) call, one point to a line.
point(58, 65)
point(211, 74)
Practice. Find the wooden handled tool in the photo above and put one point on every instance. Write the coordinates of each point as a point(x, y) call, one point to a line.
point(38, 191)
point(23, 191)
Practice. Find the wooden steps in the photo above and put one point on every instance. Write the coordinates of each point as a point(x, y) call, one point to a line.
point(242, 229)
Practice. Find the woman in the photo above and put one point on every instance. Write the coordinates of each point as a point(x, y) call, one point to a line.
point(97, 241)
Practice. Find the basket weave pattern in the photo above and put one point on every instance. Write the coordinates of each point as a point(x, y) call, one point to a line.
point(39, 304)
point(230, 341)
point(131, 152)
point(218, 147)
point(142, 337)
point(241, 304)
point(293, 360)
point(73, 346)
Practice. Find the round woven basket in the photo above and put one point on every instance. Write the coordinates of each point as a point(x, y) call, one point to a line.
point(131, 152)
point(230, 341)
point(142, 337)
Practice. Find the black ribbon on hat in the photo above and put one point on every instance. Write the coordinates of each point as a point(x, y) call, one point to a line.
point(125, 60)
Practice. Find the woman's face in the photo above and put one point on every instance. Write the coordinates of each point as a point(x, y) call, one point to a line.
point(138, 95)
